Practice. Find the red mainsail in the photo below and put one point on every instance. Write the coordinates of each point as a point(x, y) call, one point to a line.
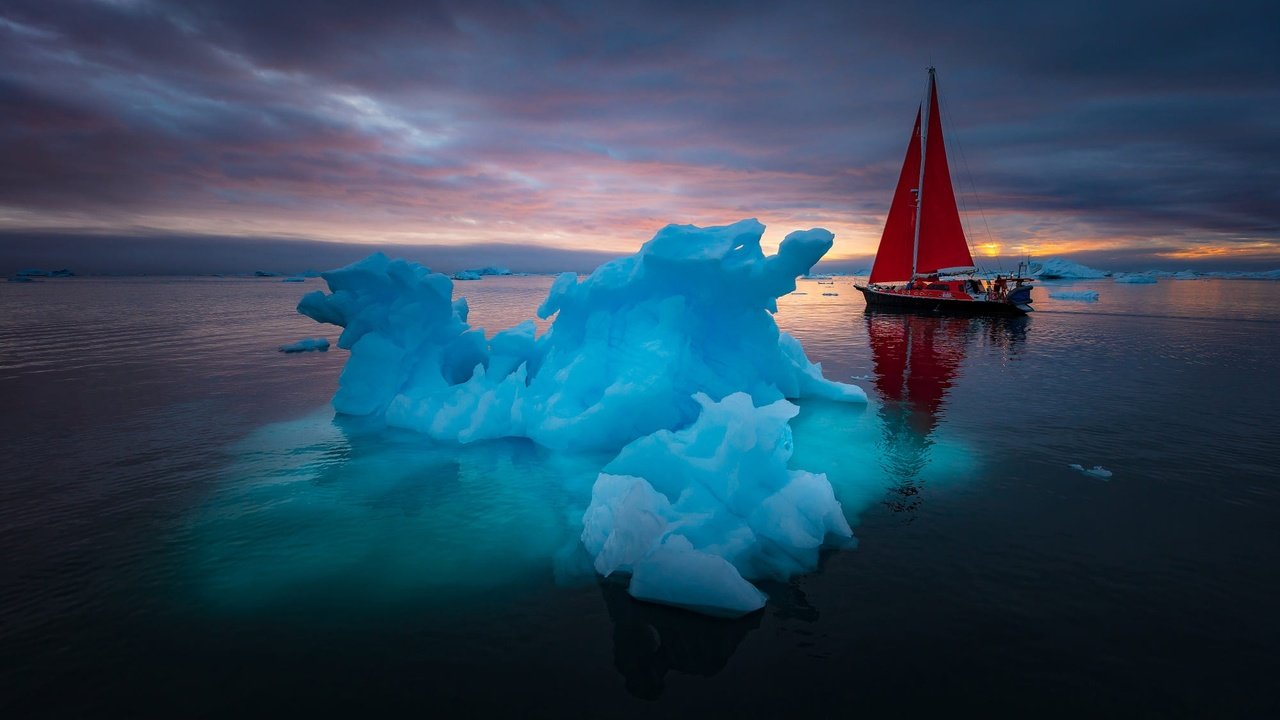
point(942, 242)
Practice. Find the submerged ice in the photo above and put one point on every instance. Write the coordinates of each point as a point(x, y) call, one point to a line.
point(670, 358)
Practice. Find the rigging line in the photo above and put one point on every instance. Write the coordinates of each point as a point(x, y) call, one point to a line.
point(964, 161)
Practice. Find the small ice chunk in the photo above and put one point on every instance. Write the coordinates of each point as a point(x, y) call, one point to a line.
point(1097, 471)
point(306, 345)
point(830, 294)
point(1075, 295)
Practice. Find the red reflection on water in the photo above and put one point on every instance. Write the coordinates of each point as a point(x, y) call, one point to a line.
point(916, 359)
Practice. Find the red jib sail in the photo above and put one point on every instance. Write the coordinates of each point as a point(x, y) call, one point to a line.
point(942, 242)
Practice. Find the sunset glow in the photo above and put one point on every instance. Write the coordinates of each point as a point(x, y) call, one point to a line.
point(576, 129)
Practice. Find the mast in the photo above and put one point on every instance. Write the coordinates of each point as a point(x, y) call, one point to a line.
point(924, 144)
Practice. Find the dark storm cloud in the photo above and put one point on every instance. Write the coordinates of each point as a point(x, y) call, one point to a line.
point(1129, 119)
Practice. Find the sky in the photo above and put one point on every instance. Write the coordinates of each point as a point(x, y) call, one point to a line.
point(1123, 134)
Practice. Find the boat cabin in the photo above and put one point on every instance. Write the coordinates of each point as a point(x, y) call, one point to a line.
point(967, 289)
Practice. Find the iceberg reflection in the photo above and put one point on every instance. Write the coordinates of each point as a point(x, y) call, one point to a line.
point(651, 640)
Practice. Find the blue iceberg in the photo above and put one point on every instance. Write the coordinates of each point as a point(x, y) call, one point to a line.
point(669, 359)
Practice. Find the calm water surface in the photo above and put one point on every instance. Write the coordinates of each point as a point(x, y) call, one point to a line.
point(186, 528)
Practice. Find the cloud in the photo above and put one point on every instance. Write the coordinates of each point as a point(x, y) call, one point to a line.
point(578, 124)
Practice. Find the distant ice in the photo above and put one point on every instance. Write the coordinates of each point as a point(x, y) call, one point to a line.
point(294, 279)
point(1076, 295)
point(1097, 471)
point(1135, 279)
point(41, 273)
point(479, 273)
point(306, 345)
point(830, 294)
point(670, 353)
point(1058, 268)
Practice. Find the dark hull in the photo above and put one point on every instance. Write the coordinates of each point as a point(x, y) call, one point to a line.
point(936, 306)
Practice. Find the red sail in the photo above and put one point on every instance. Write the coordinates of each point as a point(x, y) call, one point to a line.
point(893, 259)
point(942, 242)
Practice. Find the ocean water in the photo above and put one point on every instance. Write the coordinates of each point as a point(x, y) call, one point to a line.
point(186, 528)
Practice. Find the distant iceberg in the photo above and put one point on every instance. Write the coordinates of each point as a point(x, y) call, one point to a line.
point(671, 354)
point(1057, 268)
point(1246, 275)
point(1076, 295)
point(1135, 279)
point(479, 273)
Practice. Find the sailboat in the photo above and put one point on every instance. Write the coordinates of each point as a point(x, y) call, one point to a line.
point(923, 263)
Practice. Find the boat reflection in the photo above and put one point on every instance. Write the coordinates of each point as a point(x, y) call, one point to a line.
point(916, 360)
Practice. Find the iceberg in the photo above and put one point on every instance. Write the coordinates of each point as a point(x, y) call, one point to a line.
point(628, 349)
point(1059, 269)
point(1135, 279)
point(669, 358)
point(1075, 295)
point(479, 273)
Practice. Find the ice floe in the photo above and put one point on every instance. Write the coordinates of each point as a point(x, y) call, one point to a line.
point(1096, 471)
point(1075, 295)
point(306, 345)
